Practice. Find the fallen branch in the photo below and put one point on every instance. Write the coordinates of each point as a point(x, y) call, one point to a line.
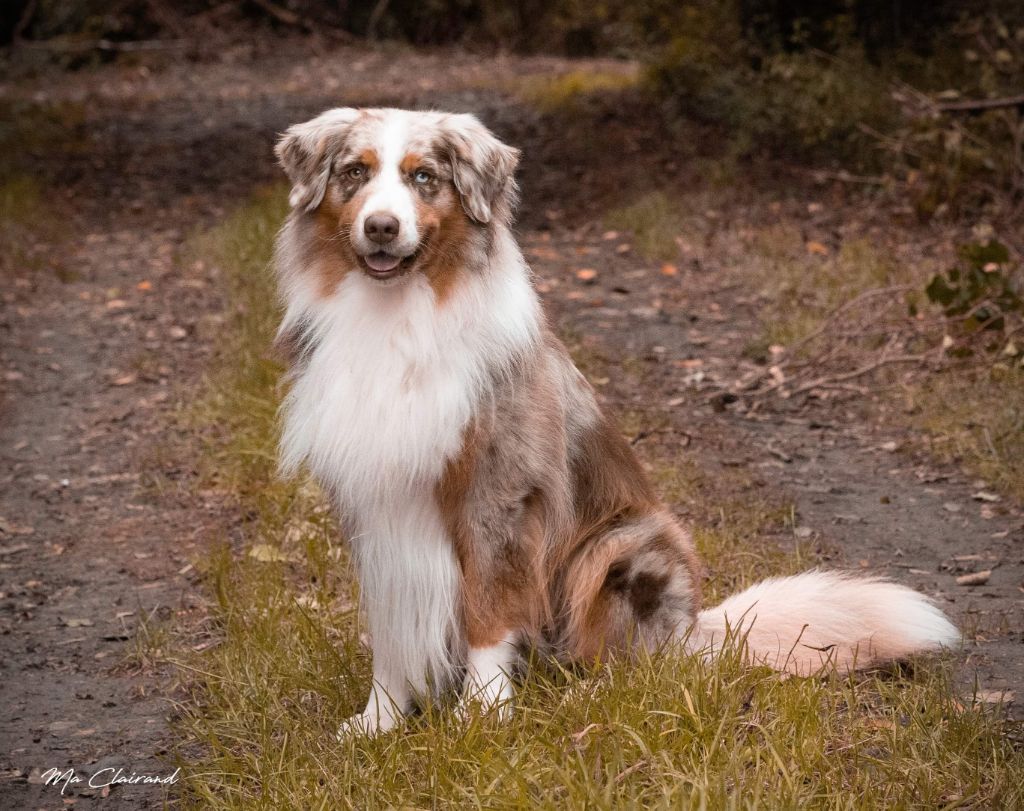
point(863, 370)
point(981, 105)
point(785, 360)
point(847, 306)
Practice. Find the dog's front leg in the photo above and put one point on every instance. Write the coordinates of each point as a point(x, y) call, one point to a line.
point(390, 699)
point(497, 619)
point(488, 675)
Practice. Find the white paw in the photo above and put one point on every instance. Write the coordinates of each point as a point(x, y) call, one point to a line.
point(493, 698)
point(366, 724)
point(470, 707)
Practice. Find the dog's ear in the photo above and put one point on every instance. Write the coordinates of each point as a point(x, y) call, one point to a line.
point(482, 167)
point(306, 151)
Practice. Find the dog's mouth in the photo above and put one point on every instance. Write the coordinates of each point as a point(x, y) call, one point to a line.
point(383, 265)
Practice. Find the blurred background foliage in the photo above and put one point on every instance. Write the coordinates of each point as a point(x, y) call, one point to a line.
point(880, 88)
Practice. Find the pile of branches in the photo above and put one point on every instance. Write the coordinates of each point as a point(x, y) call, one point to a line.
point(973, 313)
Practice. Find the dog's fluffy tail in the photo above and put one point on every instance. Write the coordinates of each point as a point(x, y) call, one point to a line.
point(815, 620)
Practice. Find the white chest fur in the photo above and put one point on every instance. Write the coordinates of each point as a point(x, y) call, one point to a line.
point(394, 378)
point(379, 408)
point(384, 397)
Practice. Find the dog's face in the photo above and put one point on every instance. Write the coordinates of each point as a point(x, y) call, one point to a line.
point(395, 191)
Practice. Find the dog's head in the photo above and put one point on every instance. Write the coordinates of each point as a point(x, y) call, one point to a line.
point(393, 191)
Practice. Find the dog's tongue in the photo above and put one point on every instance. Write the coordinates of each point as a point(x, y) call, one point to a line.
point(381, 261)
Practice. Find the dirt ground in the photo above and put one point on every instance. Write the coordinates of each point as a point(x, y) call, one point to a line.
point(95, 356)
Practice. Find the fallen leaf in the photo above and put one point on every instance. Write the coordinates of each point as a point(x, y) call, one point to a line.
point(586, 274)
point(543, 252)
point(669, 269)
point(984, 495)
point(144, 285)
point(951, 507)
point(974, 578)
point(125, 380)
point(267, 553)
point(78, 622)
point(817, 248)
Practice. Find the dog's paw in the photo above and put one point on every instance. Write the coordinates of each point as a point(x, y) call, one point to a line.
point(366, 725)
point(500, 711)
point(493, 700)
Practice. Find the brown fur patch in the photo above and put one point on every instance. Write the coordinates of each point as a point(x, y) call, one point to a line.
point(368, 157)
point(645, 593)
point(411, 162)
point(500, 501)
point(332, 257)
point(631, 574)
point(496, 582)
point(629, 586)
point(446, 237)
point(608, 479)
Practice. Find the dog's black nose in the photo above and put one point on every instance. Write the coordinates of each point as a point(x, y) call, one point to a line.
point(381, 227)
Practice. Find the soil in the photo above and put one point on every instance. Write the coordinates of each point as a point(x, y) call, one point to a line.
point(105, 339)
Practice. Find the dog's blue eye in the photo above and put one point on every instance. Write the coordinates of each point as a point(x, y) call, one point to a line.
point(422, 177)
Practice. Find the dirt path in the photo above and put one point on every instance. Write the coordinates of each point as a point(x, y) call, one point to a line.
point(92, 367)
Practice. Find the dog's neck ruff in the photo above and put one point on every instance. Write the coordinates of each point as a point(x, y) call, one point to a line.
point(393, 377)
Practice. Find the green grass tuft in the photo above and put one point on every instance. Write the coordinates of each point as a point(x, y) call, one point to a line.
point(975, 416)
point(803, 287)
point(655, 222)
point(567, 92)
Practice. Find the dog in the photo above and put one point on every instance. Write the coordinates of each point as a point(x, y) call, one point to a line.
point(492, 506)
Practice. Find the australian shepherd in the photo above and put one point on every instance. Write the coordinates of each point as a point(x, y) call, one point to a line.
point(491, 505)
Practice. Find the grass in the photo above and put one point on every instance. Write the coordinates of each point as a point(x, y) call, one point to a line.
point(655, 222)
point(971, 413)
point(30, 224)
point(27, 225)
point(569, 91)
point(804, 281)
point(667, 732)
point(975, 416)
